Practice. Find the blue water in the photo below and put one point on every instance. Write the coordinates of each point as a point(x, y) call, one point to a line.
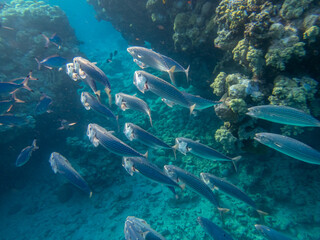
point(37, 201)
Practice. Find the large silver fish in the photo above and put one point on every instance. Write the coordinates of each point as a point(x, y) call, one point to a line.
point(98, 135)
point(86, 68)
point(125, 101)
point(179, 175)
point(185, 145)
point(145, 57)
point(90, 102)
point(25, 154)
point(290, 147)
point(61, 165)
point(283, 114)
point(270, 233)
point(134, 132)
point(147, 82)
point(149, 170)
point(213, 230)
point(230, 189)
point(139, 229)
point(200, 102)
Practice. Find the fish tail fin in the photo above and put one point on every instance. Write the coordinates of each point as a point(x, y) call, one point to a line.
point(71, 124)
point(98, 93)
point(47, 40)
point(15, 99)
point(149, 114)
point(9, 109)
point(25, 83)
point(34, 144)
point(60, 128)
point(30, 76)
point(171, 74)
point(90, 194)
point(174, 153)
point(108, 92)
point(187, 72)
point(223, 98)
point(192, 108)
point(262, 214)
point(146, 154)
point(234, 162)
point(222, 211)
point(39, 64)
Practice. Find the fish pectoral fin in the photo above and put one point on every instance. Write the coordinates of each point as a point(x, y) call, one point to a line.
point(171, 74)
point(123, 106)
point(278, 145)
point(111, 132)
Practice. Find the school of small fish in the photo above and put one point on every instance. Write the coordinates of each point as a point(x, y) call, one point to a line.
point(135, 162)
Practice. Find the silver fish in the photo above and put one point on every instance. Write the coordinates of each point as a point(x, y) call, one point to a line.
point(134, 132)
point(213, 230)
point(185, 145)
point(200, 102)
point(228, 188)
point(177, 174)
point(86, 68)
point(147, 82)
point(25, 154)
point(149, 170)
point(270, 233)
point(75, 76)
point(284, 115)
point(60, 164)
point(139, 229)
point(90, 102)
point(98, 135)
point(145, 57)
point(125, 101)
point(290, 147)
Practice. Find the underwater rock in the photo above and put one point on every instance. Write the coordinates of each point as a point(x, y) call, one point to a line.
point(219, 84)
point(227, 140)
point(311, 34)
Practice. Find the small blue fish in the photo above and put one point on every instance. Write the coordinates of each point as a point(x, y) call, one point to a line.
point(149, 170)
point(6, 105)
point(11, 87)
point(270, 233)
point(12, 120)
point(125, 101)
point(147, 82)
point(54, 39)
point(60, 164)
point(43, 105)
point(98, 135)
point(90, 102)
point(65, 124)
point(213, 230)
point(86, 68)
point(290, 147)
point(21, 79)
point(54, 61)
point(138, 229)
point(25, 154)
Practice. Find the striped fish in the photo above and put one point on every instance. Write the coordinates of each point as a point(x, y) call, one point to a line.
point(284, 115)
point(125, 101)
point(290, 147)
point(25, 154)
point(270, 233)
point(98, 135)
point(213, 230)
point(147, 82)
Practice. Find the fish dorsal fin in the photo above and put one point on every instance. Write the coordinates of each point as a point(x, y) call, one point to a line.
point(197, 141)
point(94, 63)
point(111, 132)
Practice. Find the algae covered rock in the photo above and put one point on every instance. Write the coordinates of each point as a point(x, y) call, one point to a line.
point(311, 34)
point(219, 84)
point(294, 8)
point(227, 140)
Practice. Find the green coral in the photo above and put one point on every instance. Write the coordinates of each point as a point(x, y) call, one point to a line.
point(226, 139)
point(248, 56)
point(284, 48)
point(294, 8)
point(219, 84)
point(311, 34)
point(238, 106)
